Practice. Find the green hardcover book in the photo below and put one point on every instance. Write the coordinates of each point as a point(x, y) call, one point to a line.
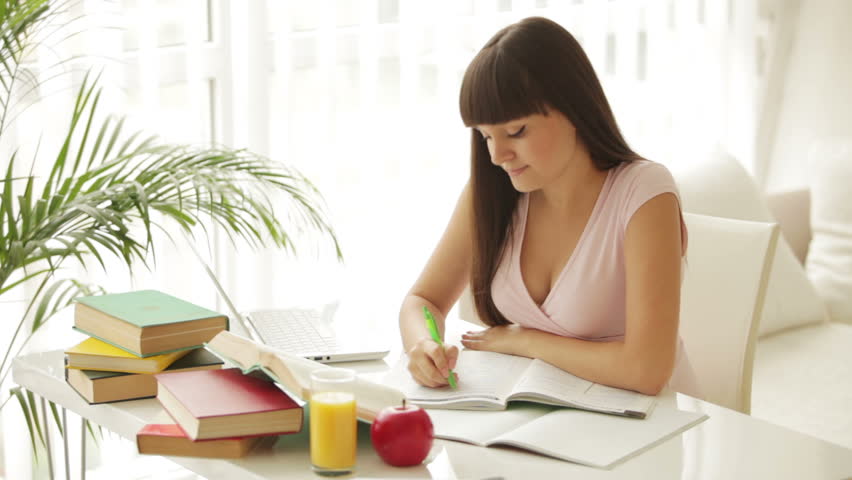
point(147, 322)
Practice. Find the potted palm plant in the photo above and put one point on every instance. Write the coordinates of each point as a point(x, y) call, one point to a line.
point(107, 191)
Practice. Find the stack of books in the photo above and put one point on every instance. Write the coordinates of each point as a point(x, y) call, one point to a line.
point(146, 344)
point(227, 413)
point(133, 336)
point(219, 414)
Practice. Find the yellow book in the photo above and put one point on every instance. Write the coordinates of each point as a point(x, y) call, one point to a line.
point(94, 354)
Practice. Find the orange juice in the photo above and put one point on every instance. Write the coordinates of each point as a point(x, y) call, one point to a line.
point(333, 430)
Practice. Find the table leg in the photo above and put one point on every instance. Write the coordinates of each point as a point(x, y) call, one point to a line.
point(65, 443)
point(83, 448)
point(46, 423)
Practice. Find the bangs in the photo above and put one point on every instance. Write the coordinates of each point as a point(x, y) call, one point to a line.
point(497, 89)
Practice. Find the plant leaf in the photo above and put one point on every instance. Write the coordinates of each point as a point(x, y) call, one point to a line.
point(56, 419)
point(23, 403)
point(34, 412)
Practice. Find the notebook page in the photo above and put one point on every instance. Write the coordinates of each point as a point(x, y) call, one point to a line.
point(598, 439)
point(610, 397)
point(479, 427)
point(543, 378)
point(486, 375)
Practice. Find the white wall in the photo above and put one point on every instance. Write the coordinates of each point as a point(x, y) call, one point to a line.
point(817, 92)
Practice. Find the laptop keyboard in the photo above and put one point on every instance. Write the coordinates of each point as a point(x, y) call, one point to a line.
point(294, 330)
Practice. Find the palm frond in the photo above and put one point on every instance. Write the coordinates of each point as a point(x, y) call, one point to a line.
point(108, 191)
point(60, 295)
point(18, 20)
point(32, 423)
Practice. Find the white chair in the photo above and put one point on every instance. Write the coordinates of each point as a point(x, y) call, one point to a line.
point(722, 294)
point(724, 285)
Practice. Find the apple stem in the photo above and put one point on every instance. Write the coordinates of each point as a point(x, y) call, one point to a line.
point(403, 403)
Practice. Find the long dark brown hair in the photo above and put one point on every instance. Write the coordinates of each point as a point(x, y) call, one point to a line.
point(524, 69)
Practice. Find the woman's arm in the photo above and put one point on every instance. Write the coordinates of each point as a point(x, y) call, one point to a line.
point(438, 287)
point(644, 359)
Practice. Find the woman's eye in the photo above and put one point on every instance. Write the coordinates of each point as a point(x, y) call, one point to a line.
point(519, 132)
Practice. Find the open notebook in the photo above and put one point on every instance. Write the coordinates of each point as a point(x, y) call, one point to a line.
point(488, 381)
point(577, 436)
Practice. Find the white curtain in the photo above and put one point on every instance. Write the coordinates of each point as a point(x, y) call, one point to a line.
point(361, 96)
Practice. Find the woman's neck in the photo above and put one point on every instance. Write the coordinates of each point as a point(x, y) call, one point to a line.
point(577, 186)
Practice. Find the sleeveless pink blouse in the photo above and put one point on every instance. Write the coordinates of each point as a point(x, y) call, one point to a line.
point(588, 299)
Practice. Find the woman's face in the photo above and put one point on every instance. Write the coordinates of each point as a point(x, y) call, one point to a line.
point(534, 151)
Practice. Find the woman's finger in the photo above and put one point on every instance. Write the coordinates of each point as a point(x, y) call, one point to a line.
point(452, 353)
point(429, 373)
point(418, 376)
point(439, 359)
point(472, 344)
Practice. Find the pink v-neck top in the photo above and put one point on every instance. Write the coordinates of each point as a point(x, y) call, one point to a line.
point(588, 299)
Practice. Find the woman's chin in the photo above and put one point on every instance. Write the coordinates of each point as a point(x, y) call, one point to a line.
point(522, 186)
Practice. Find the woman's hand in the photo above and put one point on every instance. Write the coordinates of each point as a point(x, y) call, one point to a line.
point(509, 339)
point(429, 363)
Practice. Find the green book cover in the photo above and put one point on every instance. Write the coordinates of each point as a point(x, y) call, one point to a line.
point(145, 308)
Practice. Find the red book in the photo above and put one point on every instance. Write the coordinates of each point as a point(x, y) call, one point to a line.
point(227, 403)
point(170, 439)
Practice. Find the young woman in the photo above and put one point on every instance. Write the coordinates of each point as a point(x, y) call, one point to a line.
point(571, 243)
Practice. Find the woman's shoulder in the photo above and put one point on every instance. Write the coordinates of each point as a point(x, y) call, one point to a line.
point(636, 182)
point(642, 170)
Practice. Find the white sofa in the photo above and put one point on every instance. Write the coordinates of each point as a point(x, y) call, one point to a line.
point(802, 376)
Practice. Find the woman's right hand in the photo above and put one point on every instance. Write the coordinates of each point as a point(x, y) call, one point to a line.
point(430, 363)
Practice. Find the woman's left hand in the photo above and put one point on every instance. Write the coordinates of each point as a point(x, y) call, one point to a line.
point(503, 339)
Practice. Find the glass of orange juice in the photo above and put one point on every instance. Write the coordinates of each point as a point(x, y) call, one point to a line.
point(333, 423)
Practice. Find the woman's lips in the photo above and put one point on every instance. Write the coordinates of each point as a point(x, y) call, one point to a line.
point(517, 171)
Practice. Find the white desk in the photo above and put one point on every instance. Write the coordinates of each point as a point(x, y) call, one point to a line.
point(728, 445)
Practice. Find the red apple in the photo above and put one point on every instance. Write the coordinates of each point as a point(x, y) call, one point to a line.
point(402, 436)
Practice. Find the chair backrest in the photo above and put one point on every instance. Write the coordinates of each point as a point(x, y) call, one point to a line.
point(722, 294)
point(792, 209)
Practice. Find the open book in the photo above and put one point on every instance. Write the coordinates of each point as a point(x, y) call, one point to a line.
point(577, 436)
point(293, 373)
point(488, 381)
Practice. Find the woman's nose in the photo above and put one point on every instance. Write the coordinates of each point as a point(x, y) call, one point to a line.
point(500, 151)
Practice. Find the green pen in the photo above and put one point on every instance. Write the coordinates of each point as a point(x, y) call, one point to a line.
point(433, 330)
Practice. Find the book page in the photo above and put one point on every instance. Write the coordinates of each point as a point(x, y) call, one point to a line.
point(294, 372)
point(250, 356)
point(483, 376)
point(235, 349)
point(370, 397)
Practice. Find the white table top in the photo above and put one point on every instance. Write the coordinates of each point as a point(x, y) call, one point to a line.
point(727, 445)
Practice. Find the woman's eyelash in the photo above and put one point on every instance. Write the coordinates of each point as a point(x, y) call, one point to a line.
point(517, 134)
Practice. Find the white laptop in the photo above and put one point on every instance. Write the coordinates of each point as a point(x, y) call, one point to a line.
point(305, 332)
